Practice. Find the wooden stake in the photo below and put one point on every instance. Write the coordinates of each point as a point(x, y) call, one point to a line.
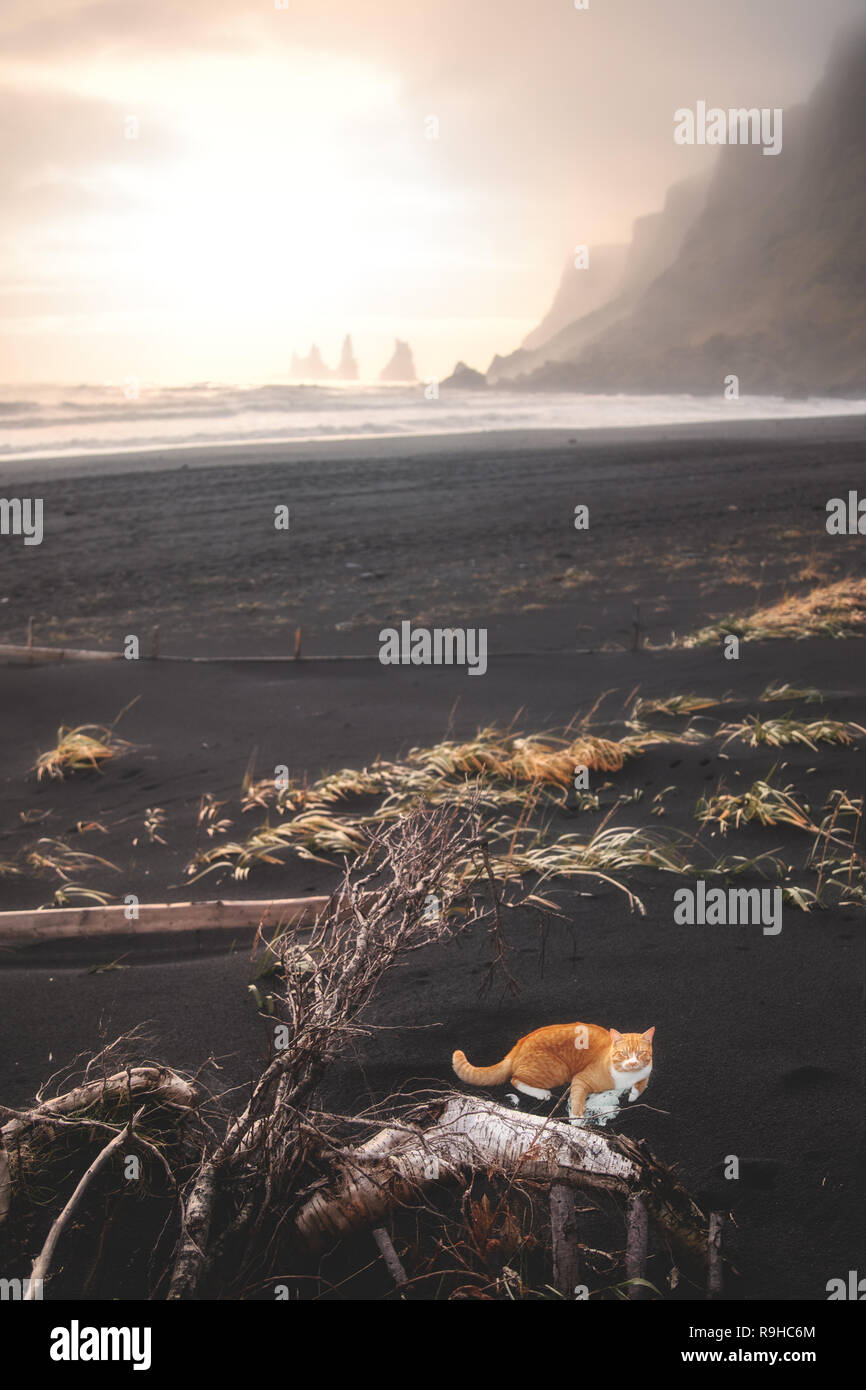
point(636, 1245)
point(297, 644)
point(563, 1227)
point(636, 638)
point(714, 1254)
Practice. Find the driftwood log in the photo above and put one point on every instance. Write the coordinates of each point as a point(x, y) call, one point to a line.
point(53, 924)
point(11, 652)
point(461, 1135)
point(159, 1083)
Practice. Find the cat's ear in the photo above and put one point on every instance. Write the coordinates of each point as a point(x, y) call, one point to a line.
point(614, 1035)
point(649, 1034)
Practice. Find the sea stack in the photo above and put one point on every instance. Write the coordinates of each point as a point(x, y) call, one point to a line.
point(401, 366)
point(311, 368)
point(348, 368)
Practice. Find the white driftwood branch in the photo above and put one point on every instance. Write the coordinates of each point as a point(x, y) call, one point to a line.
point(159, 1082)
point(386, 1249)
point(469, 1134)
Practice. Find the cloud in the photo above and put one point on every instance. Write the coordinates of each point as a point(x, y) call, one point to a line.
point(536, 102)
point(61, 155)
point(49, 28)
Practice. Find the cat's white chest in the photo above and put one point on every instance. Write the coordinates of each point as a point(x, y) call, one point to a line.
point(623, 1079)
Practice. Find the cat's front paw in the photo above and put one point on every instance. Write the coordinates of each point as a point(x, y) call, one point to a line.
point(633, 1093)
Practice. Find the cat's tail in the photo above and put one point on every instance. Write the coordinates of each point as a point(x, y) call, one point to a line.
point(482, 1076)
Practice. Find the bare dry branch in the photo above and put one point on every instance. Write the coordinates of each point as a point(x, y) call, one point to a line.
point(42, 1263)
point(160, 1083)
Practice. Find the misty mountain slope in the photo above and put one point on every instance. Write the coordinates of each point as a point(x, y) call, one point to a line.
point(656, 240)
point(770, 282)
point(581, 292)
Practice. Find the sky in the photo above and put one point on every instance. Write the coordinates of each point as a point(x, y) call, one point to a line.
point(194, 189)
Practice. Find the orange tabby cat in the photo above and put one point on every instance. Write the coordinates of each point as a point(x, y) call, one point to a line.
point(592, 1059)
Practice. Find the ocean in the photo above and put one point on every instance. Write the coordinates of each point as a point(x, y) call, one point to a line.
point(71, 421)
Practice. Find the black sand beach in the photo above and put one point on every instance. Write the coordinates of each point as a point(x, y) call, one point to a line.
point(471, 531)
point(755, 1034)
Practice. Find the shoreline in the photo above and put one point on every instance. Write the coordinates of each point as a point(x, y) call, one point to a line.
point(381, 448)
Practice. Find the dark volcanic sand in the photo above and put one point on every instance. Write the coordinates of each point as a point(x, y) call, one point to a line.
point(686, 522)
point(756, 1035)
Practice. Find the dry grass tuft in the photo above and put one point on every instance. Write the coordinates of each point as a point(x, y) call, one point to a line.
point(673, 705)
point(775, 694)
point(86, 748)
point(513, 758)
point(762, 802)
point(496, 766)
point(778, 733)
point(831, 610)
point(495, 771)
point(55, 858)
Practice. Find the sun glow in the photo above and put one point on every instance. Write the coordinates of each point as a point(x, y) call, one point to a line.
point(287, 195)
